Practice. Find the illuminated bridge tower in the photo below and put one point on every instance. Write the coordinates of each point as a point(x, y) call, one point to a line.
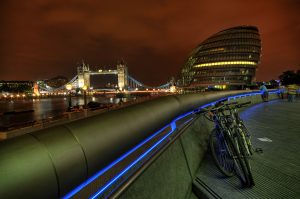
point(122, 76)
point(229, 57)
point(83, 73)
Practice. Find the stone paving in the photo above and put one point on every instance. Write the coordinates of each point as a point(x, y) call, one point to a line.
point(275, 127)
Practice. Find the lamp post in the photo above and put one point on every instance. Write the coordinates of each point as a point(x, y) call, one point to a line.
point(69, 88)
point(84, 88)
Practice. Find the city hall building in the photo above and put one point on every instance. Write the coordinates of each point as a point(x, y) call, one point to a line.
point(229, 57)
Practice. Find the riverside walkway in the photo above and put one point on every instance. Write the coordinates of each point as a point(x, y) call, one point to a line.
point(275, 127)
point(161, 156)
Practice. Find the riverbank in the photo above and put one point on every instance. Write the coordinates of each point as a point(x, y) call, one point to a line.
point(30, 126)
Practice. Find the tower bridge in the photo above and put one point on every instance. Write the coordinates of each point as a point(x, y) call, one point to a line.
point(84, 73)
point(125, 82)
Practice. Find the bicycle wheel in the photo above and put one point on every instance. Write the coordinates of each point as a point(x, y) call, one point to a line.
point(240, 165)
point(244, 156)
point(247, 137)
point(220, 153)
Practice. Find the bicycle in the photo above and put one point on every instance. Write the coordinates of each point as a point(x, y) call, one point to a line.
point(241, 136)
point(246, 136)
point(227, 142)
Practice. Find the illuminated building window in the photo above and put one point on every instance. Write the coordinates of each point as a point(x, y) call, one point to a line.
point(230, 56)
point(226, 63)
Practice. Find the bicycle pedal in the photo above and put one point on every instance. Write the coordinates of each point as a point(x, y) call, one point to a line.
point(259, 150)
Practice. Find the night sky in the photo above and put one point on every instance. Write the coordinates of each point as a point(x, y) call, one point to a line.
point(41, 39)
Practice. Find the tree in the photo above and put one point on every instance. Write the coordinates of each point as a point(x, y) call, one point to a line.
point(289, 77)
point(273, 83)
point(298, 77)
point(5, 88)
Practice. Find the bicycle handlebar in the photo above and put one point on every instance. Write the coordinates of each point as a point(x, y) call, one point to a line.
point(231, 103)
point(205, 110)
point(245, 103)
point(220, 106)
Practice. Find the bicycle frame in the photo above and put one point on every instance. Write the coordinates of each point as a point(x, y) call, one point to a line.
point(228, 141)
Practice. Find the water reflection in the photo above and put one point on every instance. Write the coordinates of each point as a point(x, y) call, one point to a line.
point(44, 108)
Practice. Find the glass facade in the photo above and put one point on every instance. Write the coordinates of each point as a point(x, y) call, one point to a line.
point(229, 57)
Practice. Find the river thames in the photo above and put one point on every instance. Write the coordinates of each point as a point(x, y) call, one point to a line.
point(43, 108)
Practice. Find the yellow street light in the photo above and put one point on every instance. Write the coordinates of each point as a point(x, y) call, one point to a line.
point(69, 88)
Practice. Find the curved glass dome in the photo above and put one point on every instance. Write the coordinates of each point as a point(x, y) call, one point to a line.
point(229, 57)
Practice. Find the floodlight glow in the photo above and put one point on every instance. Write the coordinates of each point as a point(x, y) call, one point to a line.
point(69, 87)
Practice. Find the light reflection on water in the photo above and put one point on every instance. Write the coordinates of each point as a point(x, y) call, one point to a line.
point(44, 108)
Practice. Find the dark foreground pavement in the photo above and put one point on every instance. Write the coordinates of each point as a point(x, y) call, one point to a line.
point(275, 127)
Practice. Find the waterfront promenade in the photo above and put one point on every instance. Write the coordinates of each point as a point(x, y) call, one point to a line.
point(167, 164)
point(275, 128)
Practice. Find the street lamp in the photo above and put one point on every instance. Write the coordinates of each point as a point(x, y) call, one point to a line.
point(84, 88)
point(69, 88)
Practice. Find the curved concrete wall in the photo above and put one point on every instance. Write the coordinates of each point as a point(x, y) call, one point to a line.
point(50, 162)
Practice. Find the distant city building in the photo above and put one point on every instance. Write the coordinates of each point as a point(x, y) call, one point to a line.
point(16, 86)
point(229, 57)
point(57, 82)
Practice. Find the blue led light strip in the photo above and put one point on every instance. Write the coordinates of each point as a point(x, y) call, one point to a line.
point(173, 127)
point(88, 181)
point(132, 164)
